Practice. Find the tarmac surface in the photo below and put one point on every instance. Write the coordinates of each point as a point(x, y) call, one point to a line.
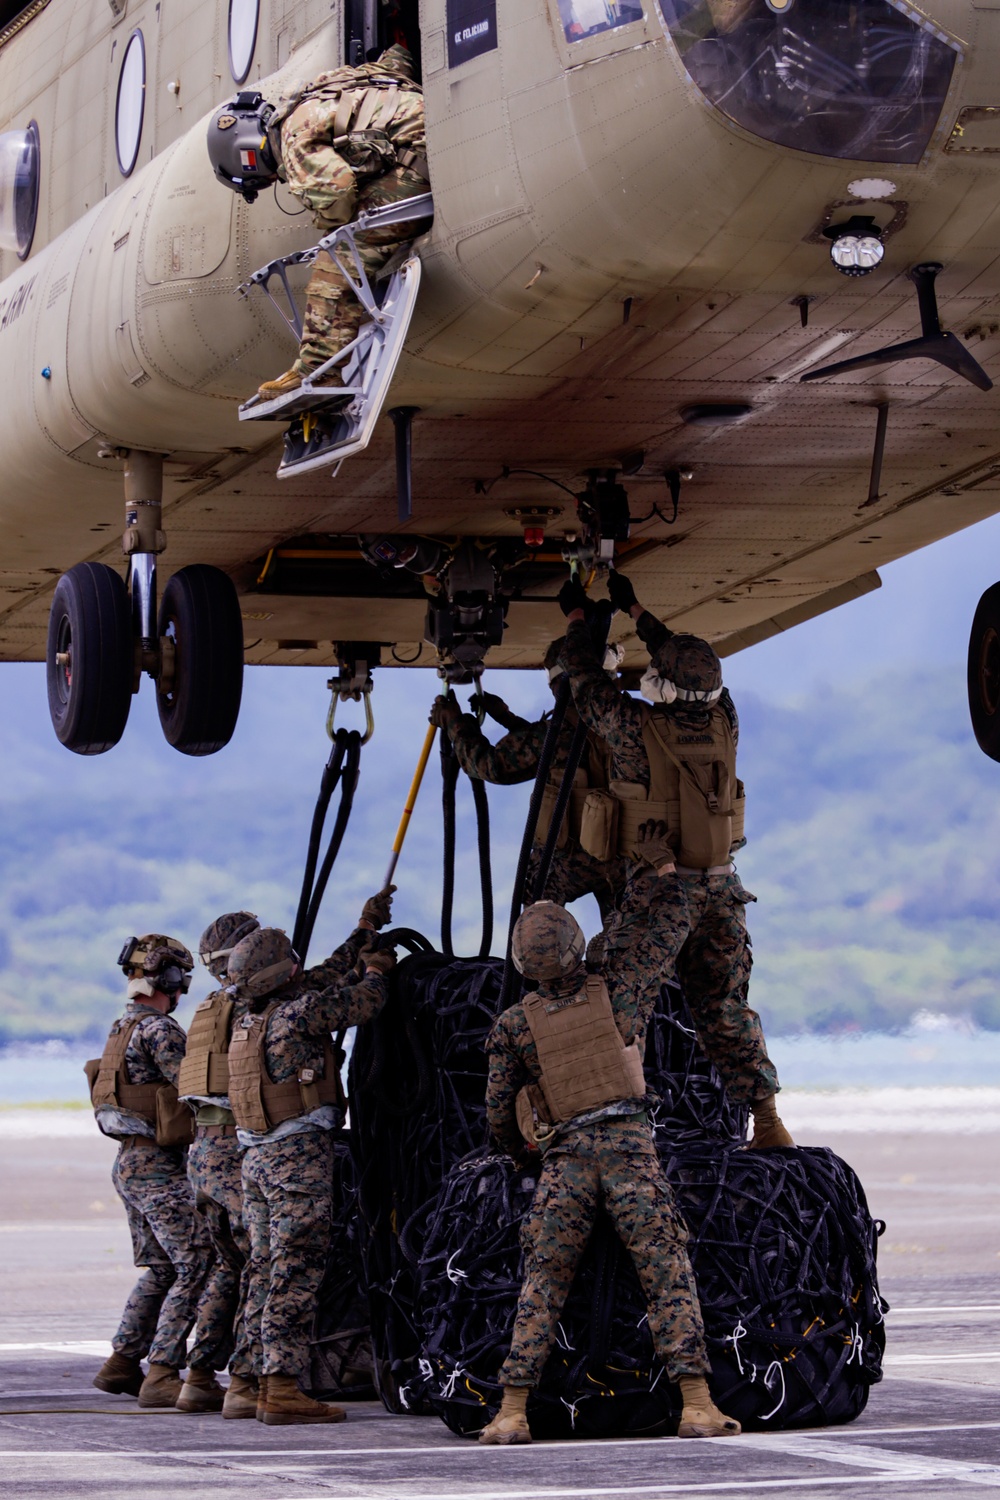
point(931, 1429)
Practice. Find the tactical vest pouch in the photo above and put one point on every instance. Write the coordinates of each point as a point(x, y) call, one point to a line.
point(174, 1120)
point(532, 1115)
point(739, 814)
point(599, 825)
point(368, 153)
point(92, 1068)
point(706, 815)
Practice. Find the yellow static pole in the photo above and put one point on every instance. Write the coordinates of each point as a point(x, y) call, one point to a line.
point(411, 799)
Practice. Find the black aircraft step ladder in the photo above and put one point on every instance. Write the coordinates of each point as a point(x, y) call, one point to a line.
point(334, 411)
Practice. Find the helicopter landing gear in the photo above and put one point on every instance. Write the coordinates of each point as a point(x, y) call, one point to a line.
point(984, 673)
point(105, 633)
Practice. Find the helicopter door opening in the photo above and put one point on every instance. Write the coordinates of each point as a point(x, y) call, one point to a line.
point(373, 25)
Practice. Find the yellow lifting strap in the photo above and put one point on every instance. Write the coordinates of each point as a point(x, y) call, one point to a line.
point(411, 800)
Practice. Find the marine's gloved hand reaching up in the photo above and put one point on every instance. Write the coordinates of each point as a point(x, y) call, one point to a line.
point(620, 591)
point(444, 713)
point(572, 597)
point(377, 910)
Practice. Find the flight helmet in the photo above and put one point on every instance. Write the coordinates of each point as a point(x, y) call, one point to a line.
point(262, 963)
point(220, 938)
point(547, 942)
point(685, 669)
point(237, 145)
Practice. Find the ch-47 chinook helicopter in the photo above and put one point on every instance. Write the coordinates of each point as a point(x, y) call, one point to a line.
point(678, 308)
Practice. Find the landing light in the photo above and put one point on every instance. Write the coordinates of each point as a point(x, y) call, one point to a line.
point(856, 247)
point(780, 7)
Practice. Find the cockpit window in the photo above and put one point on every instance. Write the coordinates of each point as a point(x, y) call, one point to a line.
point(19, 176)
point(585, 18)
point(863, 80)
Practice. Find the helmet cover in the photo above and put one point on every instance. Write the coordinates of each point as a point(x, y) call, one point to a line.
point(221, 936)
point(262, 962)
point(547, 942)
point(685, 669)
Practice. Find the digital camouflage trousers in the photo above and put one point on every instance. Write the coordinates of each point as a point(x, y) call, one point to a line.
point(170, 1239)
point(333, 314)
point(287, 1209)
point(214, 1171)
point(611, 1165)
point(705, 944)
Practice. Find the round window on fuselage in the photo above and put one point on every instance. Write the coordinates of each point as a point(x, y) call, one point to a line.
point(131, 103)
point(243, 19)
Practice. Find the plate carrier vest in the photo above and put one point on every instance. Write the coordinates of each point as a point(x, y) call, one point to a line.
point(257, 1103)
point(111, 1087)
point(205, 1069)
point(584, 1060)
point(693, 789)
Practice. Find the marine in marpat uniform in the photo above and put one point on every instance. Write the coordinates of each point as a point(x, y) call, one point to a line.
point(214, 1171)
point(514, 759)
point(352, 141)
point(286, 1095)
point(565, 1075)
point(673, 776)
point(133, 1090)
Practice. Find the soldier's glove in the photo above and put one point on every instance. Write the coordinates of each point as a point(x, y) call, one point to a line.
point(379, 960)
point(497, 709)
point(445, 713)
point(652, 846)
point(378, 909)
point(572, 596)
point(620, 591)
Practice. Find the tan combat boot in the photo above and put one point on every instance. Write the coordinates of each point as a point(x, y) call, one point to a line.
point(261, 1397)
point(768, 1130)
point(510, 1425)
point(281, 385)
point(201, 1392)
point(285, 1405)
point(121, 1375)
point(700, 1416)
point(241, 1398)
point(161, 1387)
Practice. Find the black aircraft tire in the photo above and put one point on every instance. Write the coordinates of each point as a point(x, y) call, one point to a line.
point(200, 611)
point(91, 621)
point(984, 673)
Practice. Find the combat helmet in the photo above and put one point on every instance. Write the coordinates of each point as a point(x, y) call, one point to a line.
point(613, 656)
point(261, 963)
point(163, 961)
point(397, 59)
point(547, 942)
point(221, 936)
point(685, 669)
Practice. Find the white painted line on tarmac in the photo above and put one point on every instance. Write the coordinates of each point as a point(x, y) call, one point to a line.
point(742, 1486)
point(985, 1357)
point(99, 1347)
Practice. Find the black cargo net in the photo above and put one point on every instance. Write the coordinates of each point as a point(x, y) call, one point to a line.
point(779, 1238)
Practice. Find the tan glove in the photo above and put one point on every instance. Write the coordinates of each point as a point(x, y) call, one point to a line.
point(445, 713)
point(653, 847)
point(378, 909)
point(379, 960)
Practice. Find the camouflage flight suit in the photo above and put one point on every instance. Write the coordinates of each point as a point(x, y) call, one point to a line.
point(288, 1171)
point(169, 1237)
point(514, 759)
point(611, 1163)
point(321, 178)
point(704, 940)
